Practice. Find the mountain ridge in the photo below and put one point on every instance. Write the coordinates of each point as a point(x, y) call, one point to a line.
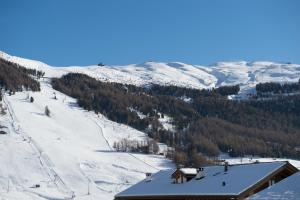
point(246, 74)
point(88, 167)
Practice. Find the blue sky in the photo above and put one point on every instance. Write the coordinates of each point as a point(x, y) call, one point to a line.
point(82, 32)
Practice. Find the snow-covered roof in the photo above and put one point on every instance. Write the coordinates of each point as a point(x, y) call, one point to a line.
point(237, 179)
point(162, 147)
point(189, 170)
point(288, 188)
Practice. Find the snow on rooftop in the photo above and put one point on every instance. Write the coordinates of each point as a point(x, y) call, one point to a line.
point(287, 189)
point(189, 170)
point(162, 148)
point(237, 179)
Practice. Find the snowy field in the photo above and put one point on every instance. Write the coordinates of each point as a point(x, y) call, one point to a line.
point(249, 159)
point(69, 154)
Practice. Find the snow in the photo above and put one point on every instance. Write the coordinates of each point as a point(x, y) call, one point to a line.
point(162, 148)
point(253, 159)
point(247, 74)
point(212, 183)
point(189, 170)
point(140, 114)
point(186, 99)
point(166, 122)
point(287, 189)
point(69, 154)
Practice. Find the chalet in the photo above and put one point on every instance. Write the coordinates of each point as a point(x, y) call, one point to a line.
point(165, 150)
point(182, 175)
point(162, 149)
point(288, 188)
point(227, 182)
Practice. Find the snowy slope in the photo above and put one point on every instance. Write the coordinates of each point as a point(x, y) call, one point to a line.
point(68, 154)
point(252, 159)
point(247, 74)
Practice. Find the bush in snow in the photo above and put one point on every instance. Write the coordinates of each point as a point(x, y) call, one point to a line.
point(2, 112)
point(47, 111)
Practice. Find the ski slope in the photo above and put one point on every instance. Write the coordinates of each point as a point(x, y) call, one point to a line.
point(246, 74)
point(69, 154)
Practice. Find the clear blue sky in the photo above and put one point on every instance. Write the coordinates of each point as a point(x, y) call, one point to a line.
point(82, 32)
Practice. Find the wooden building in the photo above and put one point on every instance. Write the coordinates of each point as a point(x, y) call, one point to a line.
point(182, 175)
point(288, 188)
point(226, 182)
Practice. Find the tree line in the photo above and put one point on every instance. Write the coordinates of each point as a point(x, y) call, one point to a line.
point(277, 88)
point(205, 126)
point(14, 78)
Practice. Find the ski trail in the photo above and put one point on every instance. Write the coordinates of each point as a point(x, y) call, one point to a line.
point(112, 149)
point(143, 161)
point(102, 134)
point(90, 181)
point(45, 161)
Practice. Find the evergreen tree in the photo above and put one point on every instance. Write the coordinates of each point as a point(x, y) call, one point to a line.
point(47, 111)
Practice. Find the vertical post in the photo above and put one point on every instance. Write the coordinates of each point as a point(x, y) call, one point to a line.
point(8, 186)
point(226, 166)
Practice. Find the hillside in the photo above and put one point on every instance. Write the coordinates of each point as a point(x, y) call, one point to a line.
point(208, 122)
point(202, 119)
point(246, 74)
point(69, 154)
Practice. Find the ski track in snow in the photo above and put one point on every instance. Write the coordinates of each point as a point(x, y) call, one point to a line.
point(73, 148)
point(102, 134)
point(45, 161)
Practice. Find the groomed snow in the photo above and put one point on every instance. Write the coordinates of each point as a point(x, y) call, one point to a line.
point(69, 154)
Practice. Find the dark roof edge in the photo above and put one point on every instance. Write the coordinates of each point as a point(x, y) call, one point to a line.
point(287, 164)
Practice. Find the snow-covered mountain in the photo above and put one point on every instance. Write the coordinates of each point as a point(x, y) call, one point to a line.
point(247, 74)
point(69, 155)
